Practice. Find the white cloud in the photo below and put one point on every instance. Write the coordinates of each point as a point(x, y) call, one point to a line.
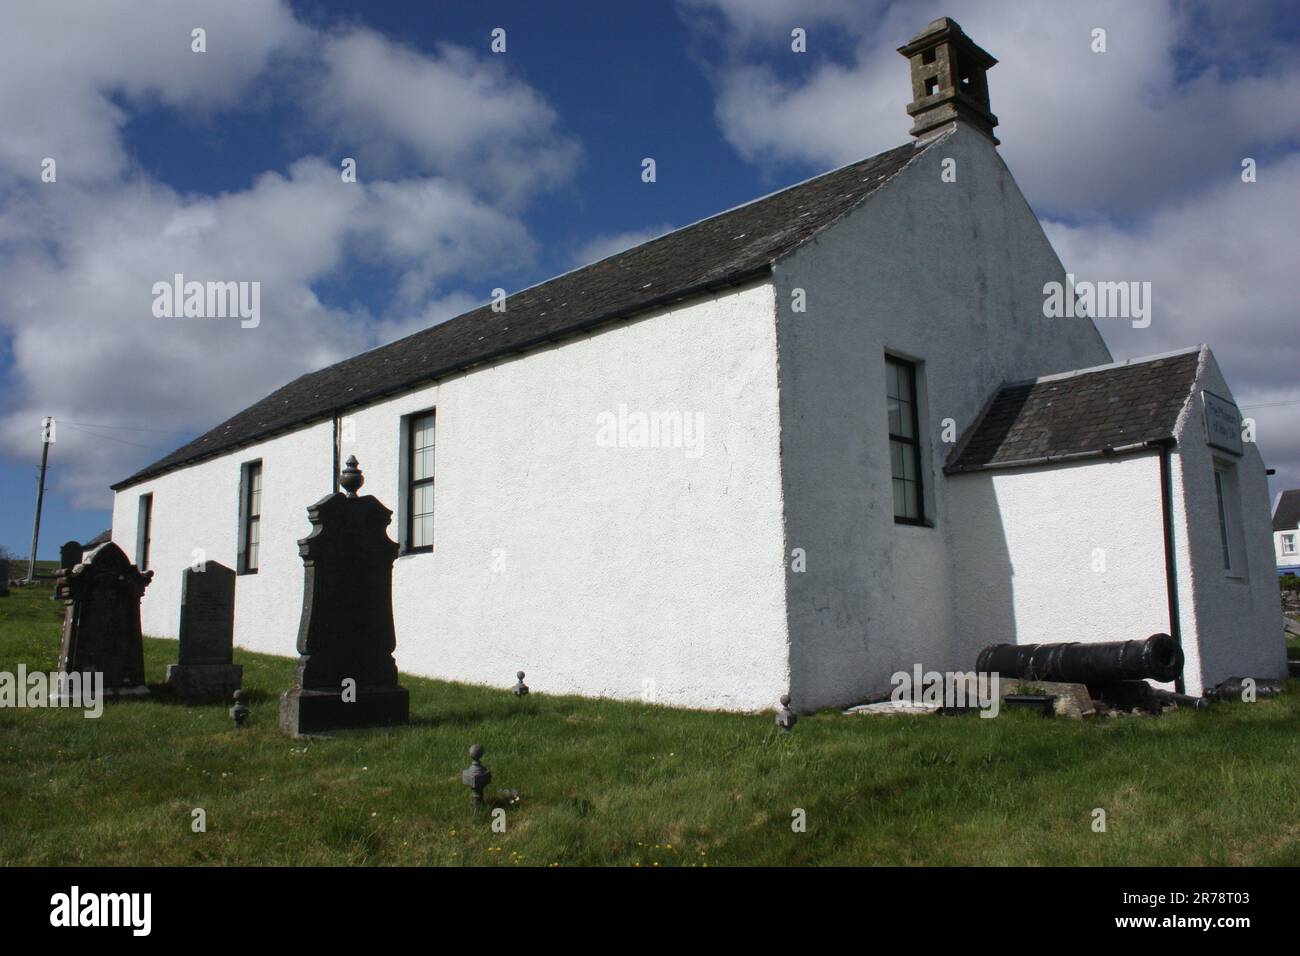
point(1083, 131)
point(70, 72)
point(1220, 264)
point(86, 346)
point(453, 146)
point(770, 21)
point(452, 111)
point(431, 229)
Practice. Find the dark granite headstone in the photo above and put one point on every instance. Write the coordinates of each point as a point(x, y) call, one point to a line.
point(4, 577)
point(101, 623)
point(346, 638)
point(70, 555)
point(206, 671)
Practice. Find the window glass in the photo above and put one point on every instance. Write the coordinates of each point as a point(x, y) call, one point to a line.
point(904, 448)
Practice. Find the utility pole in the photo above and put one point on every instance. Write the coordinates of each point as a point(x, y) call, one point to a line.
point(47, 436)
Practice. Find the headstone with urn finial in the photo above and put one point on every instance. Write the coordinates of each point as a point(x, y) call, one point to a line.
point(101, 625)
point(206, 671)
point(346, 676)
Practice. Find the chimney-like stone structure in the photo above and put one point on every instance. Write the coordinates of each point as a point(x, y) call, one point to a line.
point(949, 80)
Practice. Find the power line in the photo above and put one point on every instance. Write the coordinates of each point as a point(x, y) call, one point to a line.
point(120, 441)
point(1292, 401)
point(128, 428)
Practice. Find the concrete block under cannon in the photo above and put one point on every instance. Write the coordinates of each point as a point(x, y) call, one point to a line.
point(1157, 658)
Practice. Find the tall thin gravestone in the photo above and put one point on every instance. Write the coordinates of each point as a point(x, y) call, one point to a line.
point(4, 577)
point(101, 622)
point(70, 554)
point(206, 671)
point(346, 676)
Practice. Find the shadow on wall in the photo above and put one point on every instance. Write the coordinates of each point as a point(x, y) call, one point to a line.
point(982, 573)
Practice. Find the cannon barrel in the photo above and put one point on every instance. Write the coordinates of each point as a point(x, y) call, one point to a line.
point(1157, 658)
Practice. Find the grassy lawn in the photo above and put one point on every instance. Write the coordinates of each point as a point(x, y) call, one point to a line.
point(615, 783)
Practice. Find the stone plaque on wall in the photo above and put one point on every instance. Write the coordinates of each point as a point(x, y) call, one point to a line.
point(1222, 423)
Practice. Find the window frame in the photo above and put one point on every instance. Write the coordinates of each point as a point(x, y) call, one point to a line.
point(1223, 519)
point(412, 483)
point(1289, 542)
point(243, 564)
point(143, 530)
point(921, 517)
point(1232, 534)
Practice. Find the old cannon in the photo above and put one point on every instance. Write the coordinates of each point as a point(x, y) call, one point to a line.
point(1157, 658)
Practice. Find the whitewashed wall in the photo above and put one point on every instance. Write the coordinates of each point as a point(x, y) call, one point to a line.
point(1070, 552)
point(947, 273)
point(1232, 622)
point(622, 566)
point(1025, 556)
point(198, 508)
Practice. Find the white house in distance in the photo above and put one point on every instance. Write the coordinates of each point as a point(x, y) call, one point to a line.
point(795, 447)
point(1286, 532)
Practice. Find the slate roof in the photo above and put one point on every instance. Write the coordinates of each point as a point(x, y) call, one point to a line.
point(1087, 412)
point(97, 540)
point(1286, 516)
point(726, 249)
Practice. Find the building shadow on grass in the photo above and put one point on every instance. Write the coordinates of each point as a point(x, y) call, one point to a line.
point(471, 716)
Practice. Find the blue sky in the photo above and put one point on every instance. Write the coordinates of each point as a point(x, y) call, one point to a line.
point(480, 170)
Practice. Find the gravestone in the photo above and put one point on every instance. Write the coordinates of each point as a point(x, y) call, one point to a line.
point(101, 621)
point(4, 577)
point(346, 676)
point(70, 554)
point(206, 671)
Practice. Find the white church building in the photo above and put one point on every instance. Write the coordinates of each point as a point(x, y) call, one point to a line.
point(795, 447)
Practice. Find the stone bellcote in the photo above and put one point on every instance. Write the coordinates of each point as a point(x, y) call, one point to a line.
point(949, 80)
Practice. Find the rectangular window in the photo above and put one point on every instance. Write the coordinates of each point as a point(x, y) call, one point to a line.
point(904, 441)
point(250, 517)
point(1288, 544)
point(1227, 491)
point(144, 532)
point(1223, 519)
point(419, 490)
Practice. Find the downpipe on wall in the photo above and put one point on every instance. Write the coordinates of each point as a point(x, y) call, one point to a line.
point(1166, 447)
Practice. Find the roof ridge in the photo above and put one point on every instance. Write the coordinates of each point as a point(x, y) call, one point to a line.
point(919, 147)
point(1121, 363)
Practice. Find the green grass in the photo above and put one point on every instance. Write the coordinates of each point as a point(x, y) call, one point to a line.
point(616, 783)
